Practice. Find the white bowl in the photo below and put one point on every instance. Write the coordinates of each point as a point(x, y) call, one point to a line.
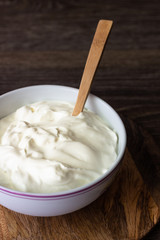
point(62, 202)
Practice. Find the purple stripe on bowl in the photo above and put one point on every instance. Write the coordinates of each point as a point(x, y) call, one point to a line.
point(46, 198)
point(60, 196)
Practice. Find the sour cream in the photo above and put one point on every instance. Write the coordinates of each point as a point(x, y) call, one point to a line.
point(44, 149)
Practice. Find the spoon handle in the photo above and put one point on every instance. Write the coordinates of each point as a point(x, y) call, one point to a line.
point(96, 49)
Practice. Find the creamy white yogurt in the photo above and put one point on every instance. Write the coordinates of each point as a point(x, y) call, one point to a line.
point(44, 149)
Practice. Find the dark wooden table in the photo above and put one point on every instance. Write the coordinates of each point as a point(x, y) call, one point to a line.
point(47, 42)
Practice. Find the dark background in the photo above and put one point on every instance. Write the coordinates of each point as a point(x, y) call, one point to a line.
point(47, 42)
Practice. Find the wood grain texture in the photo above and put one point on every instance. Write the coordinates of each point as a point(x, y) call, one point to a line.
point(47, 42)
point(4, 233)
point(126, 211)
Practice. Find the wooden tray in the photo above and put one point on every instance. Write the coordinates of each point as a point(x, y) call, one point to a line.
point(125, 211)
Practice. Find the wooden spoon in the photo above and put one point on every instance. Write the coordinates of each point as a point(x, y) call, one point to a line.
point(97, 46)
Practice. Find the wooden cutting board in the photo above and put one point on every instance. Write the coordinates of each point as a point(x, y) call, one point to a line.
point(125, 211)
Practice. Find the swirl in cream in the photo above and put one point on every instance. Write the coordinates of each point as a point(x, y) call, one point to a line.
point(44, 149)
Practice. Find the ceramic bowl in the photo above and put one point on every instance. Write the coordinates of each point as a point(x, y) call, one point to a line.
point(68, 201)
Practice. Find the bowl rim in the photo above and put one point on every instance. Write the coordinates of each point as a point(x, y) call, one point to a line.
point(81, 189)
